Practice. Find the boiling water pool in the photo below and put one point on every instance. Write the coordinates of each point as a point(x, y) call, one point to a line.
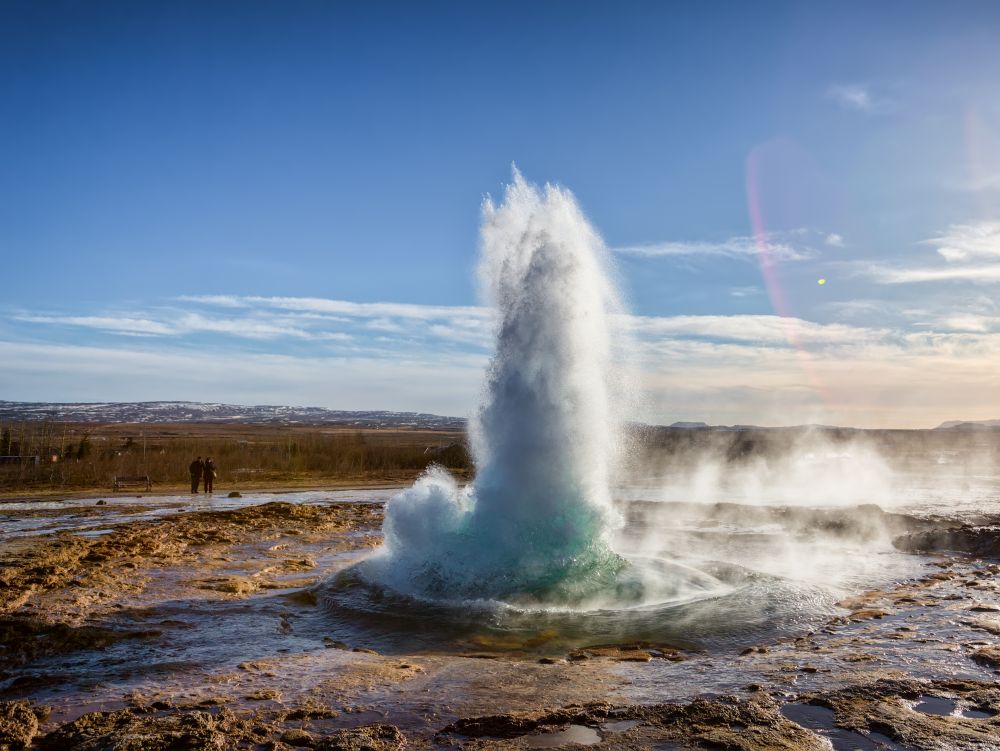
point(695, 577)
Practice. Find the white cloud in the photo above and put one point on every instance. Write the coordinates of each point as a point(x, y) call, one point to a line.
point(459, 325)
point(290, 319)
point(180, 325)
point(857, 97)
point(965, 242)
point(889, 275)
point(971, 253)
point(768, 330)
point(741, 368)
point(341, 307)
point(902, 380)
point(834, 240)
point(969, 322)
point(734, 247)
point(112, 324)
point(444, 384)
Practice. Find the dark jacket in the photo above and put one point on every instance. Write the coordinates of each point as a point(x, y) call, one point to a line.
point(196, 468)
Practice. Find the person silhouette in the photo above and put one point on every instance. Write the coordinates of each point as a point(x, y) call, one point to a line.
point(208, 473)
point(196, 468)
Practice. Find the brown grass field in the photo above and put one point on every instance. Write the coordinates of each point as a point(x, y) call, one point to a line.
point(298, 457)
point(246, 456)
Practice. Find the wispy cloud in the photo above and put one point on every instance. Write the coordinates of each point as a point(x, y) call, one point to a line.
point(965, 242)
point(175, 324)
point(765, 330)
point(857, 97)
point(968, 322)
point(436, 382)
point(371, 325)
point(112, 324)
point(288, 319)
point(971, 253)
point(982, 273)
point(735, 247)
point(834, 240)
point(341, 307)
point(436, 359)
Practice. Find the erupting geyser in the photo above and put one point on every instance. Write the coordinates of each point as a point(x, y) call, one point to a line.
point(535, 524)
point(536, 518)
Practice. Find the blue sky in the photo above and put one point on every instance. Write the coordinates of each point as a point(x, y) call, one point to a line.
point(262, 202)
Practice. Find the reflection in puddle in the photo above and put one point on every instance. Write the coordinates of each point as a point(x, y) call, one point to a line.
point(579, 734)
point(620, 726)
point(978, 713)
point(936, 705)
point(822, 721)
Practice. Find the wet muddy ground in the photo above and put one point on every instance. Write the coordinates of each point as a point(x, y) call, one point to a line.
point(158, 623)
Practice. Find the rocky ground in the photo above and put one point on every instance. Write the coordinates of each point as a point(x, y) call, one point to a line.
point(127, 640)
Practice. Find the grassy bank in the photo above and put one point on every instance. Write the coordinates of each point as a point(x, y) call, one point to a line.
point(74, 457)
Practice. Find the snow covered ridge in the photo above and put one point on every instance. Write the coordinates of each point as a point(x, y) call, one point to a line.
point(167, 412)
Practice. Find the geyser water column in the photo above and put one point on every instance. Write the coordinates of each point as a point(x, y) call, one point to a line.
point(535, 523)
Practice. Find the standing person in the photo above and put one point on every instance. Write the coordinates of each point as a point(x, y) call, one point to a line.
point(208, 472)
point(197, 467)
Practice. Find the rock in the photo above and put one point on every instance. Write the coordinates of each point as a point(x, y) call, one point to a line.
point(263, 694)
point(732, 723)
point(311, 710)
point(987, 657)
point(983, 624)
point(298, 738)
point(102, 502)
point(242, 586)
point(19, 724)
point(377, 737)
point(859, 657)
point(494, 726)
point(628, 652)
point(886, 706)
point(124, 730)
point(867, 614)
point(727, 722)
point(234, 494)
point(983, 542)
point(27, 638)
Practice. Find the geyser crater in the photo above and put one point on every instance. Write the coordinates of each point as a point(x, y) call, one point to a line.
point(527, 546)
point(533, 529)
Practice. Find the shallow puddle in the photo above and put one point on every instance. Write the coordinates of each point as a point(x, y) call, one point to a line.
point(936, 705)
point(578, 734)
point(821, 721)
point(620, 726)
point(978, 713)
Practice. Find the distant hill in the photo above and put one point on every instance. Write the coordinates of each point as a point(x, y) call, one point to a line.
point(267, 414)
point(180, 412)
point(968, 424)
point(747, 428)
